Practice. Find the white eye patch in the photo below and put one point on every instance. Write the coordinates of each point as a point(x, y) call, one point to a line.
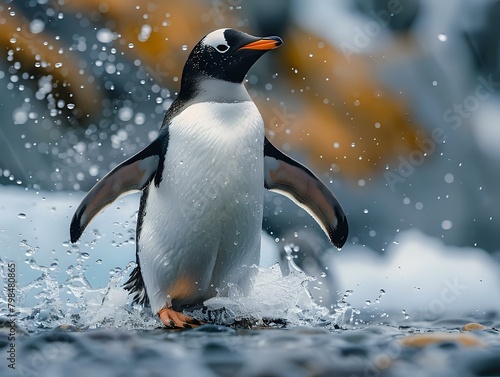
point(217, 40)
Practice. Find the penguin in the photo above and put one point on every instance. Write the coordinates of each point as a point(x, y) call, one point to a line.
point(203, 181)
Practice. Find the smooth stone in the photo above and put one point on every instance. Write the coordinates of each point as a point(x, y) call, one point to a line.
point(473, 326)
point(424, 340)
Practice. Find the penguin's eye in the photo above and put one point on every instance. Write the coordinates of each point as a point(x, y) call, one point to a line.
point(222, 48)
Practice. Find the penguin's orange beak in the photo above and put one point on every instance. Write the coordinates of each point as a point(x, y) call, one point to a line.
point(268, 43)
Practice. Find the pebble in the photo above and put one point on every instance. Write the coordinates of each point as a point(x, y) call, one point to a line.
point(473, 326)
point(424, 340)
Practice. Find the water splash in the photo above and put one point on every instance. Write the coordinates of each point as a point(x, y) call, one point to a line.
point(60, 295)
point(273, 297)
point(73, 302)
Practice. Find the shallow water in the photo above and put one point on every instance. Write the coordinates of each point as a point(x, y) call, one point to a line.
point(212, 350)
point(277, 331)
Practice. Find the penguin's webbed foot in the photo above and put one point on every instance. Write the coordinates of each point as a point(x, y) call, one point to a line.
point(176, 320)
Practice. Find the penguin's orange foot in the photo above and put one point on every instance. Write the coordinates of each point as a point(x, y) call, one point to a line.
point(176, 320)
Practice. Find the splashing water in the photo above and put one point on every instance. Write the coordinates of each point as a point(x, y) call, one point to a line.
point(273, 298)
point(74, 301)
point(59, 284)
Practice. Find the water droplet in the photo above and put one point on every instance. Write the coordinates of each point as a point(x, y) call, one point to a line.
point(37, 26)
point(93, 170)
point(145, 33)
point(184, 47)
point(125, 114)
point(442, 37)
point(105, 35)
point(446, 225)
point(21, 215)
point(99, 261)
point(85, 255)
point(368, 302)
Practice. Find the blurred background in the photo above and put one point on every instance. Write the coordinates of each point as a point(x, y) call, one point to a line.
point(393, 103)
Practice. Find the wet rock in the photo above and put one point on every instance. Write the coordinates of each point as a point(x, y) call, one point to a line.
point(6, 324)
point(424, 340)
point(473, 326)
point(209, 328)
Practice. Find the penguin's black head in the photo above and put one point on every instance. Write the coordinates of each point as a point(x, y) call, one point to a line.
point(226, 54)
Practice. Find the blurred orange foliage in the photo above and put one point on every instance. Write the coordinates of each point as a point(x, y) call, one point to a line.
point(343, 118)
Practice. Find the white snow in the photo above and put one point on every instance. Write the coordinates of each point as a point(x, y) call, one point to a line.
point(421, 275)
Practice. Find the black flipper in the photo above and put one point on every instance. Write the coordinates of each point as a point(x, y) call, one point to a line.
point(135, 286)
point(135, 283)
point(131, 175)
point(292, 179)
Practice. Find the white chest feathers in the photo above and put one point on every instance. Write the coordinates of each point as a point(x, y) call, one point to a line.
point(215, 148)
point(202, 224)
